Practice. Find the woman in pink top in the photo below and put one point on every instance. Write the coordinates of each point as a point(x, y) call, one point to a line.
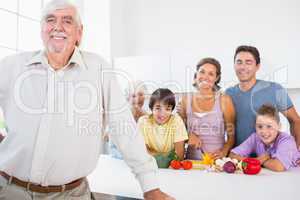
point(208, 114)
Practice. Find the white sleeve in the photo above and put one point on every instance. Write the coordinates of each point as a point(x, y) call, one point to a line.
point(124, 133)
point(5, 75)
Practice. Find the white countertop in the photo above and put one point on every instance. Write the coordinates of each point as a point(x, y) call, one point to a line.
point(113, 176)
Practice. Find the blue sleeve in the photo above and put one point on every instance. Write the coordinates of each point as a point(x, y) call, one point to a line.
point(282, 99)
point(229, 91)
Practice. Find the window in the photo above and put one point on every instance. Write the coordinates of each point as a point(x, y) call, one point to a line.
point(20, 26)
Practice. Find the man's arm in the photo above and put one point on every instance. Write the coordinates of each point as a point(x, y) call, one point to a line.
point(285, 106)
point(124, 134)
point(6, 67)
point(294, 121)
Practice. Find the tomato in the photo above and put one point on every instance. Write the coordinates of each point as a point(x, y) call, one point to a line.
point(186, 164)
point(175, 164)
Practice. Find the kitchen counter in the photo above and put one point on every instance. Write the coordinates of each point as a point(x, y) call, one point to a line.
point(113, 176)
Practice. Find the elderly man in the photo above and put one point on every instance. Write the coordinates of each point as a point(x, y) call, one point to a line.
point(57, 102)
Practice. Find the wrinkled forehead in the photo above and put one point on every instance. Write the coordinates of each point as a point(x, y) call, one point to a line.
point(69, 11)
point(65, 11)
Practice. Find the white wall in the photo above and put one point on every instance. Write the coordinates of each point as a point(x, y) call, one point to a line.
point(97, 30)
point(186, 31)
point(162, 40)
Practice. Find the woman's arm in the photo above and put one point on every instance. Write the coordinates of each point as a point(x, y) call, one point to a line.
point(181, 109)
point(229, 122)
point(179, 149)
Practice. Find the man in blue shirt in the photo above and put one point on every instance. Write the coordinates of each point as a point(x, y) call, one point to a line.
point(250, 94)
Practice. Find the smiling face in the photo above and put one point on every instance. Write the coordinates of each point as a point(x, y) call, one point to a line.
point(267, 128)
point(60, 31)
point(137, 99)
point(206, 76)
point(245, 66)
point(161, 112)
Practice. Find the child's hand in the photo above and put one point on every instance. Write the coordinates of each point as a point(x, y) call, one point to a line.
point(263, 158)
point(194, 141)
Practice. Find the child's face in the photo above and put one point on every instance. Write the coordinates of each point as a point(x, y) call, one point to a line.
point(161, 112)
point(267, 128)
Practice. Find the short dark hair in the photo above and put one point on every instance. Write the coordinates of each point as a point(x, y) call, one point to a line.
point(213, 62)
point(269, 110)
point(163, 95)
point(250, 49)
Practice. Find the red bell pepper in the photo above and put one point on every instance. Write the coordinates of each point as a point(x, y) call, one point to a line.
point(251, 166)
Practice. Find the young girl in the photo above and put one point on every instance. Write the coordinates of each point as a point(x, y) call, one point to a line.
point(163, 131)
point(275, 150)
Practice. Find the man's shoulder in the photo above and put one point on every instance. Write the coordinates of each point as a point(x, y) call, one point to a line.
point(269, 85)
point(19, 57)
point(93, 59)
point(17, 60)
point(232, 90)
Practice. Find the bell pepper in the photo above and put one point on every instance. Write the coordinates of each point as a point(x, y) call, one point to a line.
point(251, 166)
point(207, 159)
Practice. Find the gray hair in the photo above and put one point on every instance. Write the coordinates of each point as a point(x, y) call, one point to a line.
point(60, 4)
point(135, 86)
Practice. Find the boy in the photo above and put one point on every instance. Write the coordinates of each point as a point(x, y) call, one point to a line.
point(163, 131)
point(275, 150)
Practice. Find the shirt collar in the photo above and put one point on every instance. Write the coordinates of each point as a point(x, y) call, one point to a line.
point(36, 59)
point(40, 58)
